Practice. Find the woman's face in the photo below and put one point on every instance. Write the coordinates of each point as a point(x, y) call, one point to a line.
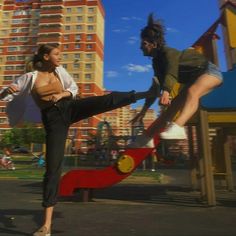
point(147, 47)
point(54, 57)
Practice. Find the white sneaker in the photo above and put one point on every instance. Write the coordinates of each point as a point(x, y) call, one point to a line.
point(174, 131)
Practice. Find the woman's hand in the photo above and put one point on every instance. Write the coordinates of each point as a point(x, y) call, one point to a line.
point(56, 97)
point(165, 98)
point(12, 89)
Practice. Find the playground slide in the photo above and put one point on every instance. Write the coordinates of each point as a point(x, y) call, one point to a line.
point(100, 178)
point(129, 161)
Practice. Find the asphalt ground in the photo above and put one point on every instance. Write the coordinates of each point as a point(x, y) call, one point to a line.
point(123, 210)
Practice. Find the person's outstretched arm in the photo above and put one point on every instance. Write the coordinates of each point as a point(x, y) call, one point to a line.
point(154, 93)
point(9, 90)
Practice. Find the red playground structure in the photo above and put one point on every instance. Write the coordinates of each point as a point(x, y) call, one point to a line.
point(88, 179)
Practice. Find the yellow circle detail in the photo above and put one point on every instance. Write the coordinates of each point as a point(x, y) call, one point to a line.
point(125, 164)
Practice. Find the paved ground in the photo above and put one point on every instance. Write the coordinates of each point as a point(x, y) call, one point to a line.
point(124, 210)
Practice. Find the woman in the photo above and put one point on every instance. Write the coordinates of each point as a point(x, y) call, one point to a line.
point(170, 66)
point(54, 92)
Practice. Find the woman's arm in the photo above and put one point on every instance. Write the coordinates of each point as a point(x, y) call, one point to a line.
point(9, 90)
point(68, 82)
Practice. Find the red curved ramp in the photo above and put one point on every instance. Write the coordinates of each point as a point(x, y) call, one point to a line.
point(101, 178)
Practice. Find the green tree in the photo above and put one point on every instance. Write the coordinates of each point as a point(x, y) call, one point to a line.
point(23, 136)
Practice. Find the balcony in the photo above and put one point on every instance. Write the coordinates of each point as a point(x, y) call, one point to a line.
point(52, 2)
point(50, 19)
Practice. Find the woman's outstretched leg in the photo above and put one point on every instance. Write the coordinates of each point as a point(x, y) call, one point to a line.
point(86, 107)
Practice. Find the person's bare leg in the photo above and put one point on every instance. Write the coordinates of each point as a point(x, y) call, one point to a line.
point(203, 85)
point(45, 229)
point(48, 217)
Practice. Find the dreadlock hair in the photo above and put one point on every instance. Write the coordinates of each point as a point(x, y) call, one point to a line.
point(154, 32)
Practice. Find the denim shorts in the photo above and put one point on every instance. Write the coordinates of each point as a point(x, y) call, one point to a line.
point(214, 70)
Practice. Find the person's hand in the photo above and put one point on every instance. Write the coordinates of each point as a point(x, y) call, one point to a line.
point(12, 89)
point(165, 98)
point(137, 118)
point(56, 97)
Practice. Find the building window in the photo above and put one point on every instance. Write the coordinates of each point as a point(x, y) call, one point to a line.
point(77, 46)
point(20, 58)
point(3, 120)
point(89, 37)
point(20, 67)
point(66, 37)
point(68, 18)
point(2, 109)
point(21, 13)
point(84, 132)
point(76, 66)
point(77, 37)
point(67, 27)
point(65, 56)
point(68, 10)
point(90, 10)
point(78, 27)
point(87, 87)
point(79, 9)
point(66, 47)
point(8, 78)
point(79, 18)
point(90, 27)
point(90, 19)
point(88, 66)
point(89, 56)
point(9, 67)
point(64, 65)
point(84, 144)
point(86, 121)
point(88, 76)
point(11, 58)
point(6, 14)
point(12, 49)
point(4, 32)
point(89, 46)
point(77, 56)
point(76, 76)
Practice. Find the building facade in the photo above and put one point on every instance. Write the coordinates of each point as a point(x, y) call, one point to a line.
point(76, 25)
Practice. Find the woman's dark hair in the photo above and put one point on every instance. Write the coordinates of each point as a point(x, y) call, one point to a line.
point(38, 59)
point(154, 32)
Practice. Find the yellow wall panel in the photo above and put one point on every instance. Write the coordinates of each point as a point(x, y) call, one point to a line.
point(230, 15)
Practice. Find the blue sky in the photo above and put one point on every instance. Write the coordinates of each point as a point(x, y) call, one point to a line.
point(125, 68)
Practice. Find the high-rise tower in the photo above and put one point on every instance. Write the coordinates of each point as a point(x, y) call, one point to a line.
point(76, 25)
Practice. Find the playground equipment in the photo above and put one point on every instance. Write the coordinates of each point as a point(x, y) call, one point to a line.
point(127, 163)
point(217, 110)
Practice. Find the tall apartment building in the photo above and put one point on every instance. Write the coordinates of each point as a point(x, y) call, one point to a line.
point(119, 120)
point(76, 25)
point(149, 117)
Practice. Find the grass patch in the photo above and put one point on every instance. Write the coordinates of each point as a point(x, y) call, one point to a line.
point(22, 173)
point(147, 173)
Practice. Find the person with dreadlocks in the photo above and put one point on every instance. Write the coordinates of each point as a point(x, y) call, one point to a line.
point(188, 67)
